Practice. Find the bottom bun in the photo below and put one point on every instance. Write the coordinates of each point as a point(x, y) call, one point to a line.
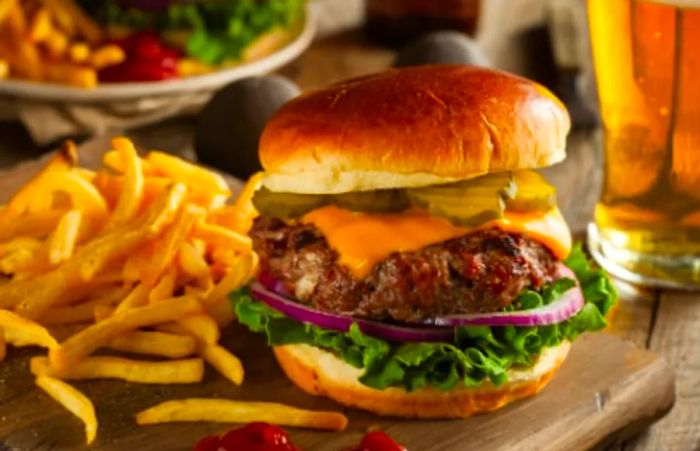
point(319, 372)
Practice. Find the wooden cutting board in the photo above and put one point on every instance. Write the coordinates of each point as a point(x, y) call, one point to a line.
point(606, 390)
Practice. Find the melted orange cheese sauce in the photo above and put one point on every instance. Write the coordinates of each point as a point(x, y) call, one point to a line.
point(363, 239)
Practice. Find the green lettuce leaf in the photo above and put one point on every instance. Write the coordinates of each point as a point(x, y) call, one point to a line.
point(477, 353)
point(219, 31)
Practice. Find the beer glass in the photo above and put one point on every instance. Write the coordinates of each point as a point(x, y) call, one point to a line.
point(646, 55)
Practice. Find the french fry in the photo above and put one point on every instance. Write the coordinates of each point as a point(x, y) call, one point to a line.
point(62, 242)
point(187, 173)
point(165, 287)
point(107, 55)
point(57, 43)
point(133, 267)
point(228, 411)
point(242, 270)
point(113, 160)
point(110, 294)
point(73, 20)
point(155, 343)
point(191, 261)
point(27, 260)
point(102, 312)
point(164, 209)
point(111, 185)
point(40, 25)
point(185, 371)
point(83, 312)
point(25, 57)
point(217, 304)
point(74, 401)
point(138, 297)
point(243, 209)
point(64, 159)
point(100, 252)
point(32, 225)
point(188, 67)
point(221, 237)
point(201, 327)
point(20, 331)
point(4, 69)
point(225, 363)
point(168, 246)
point(70, 74)
point(79, 52)
point(240, 215)
point(132, 191)
point(83, 194)
point(5, 7)
point(102, 333)
point(61, 16)
point(17, 244)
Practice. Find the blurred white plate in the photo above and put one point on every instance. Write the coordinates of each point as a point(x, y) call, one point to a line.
point(109, 92)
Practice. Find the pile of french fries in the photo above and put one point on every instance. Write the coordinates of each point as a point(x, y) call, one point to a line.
point(52, 41)
point(136, 258)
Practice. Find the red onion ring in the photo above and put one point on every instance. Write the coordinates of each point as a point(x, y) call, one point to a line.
point(342, 323)
point(438, 329)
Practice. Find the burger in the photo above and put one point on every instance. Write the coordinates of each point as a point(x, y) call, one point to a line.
point(412, 262)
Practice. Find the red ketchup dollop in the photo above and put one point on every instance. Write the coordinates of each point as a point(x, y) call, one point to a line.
point(251, 437)
point(147, 59)
point(378, 441)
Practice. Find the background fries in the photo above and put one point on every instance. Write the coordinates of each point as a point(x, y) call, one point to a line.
point(126, 257)
point(52, 41)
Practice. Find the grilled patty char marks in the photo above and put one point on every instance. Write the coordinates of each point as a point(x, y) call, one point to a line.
point(483, 271)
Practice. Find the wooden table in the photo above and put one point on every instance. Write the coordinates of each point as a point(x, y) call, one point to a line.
point(666, 322)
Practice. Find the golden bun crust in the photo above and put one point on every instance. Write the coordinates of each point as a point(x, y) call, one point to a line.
point(412, 127)
point(318, 372)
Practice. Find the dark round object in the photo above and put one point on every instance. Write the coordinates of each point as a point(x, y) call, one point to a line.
point(229, 126)
point(441, 47)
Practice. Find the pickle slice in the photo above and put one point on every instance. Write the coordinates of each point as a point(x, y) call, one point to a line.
point(293, 205)
point(469, 215)
point(469, 202)
point(286, 205)
point(534, 193)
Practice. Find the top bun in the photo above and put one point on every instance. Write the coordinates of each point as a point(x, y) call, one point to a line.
point(412, 127)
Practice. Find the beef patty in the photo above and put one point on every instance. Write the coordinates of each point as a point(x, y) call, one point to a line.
point(483, 271)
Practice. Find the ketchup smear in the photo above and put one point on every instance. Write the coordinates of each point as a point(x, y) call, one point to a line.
point(251, 437)
point(378, 441)
point(147, 59)
point(267, 437)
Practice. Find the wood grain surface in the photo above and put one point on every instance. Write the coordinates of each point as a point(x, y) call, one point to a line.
point(606, 390)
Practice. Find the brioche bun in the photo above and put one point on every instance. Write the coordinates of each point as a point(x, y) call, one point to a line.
point(412, 127)
point(318, 372)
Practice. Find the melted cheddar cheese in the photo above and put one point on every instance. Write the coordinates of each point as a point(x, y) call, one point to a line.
point(363, 239)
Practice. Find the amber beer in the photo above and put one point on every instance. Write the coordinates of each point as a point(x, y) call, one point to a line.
point(646, 55)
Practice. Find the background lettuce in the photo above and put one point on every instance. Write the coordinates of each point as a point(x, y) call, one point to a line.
point(219, 31)
point(477, 352)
